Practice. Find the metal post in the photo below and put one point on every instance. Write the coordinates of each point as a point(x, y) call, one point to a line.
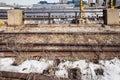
point(112, 4)
point(81, 8)
point(80, 20)
point(49, 21)
point(76, 17)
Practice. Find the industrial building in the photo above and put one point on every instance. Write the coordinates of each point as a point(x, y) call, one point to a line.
point(117, 2)
point(90, 1)
point(77, 3)
point(99, 2)
point(53, 6)
point(63, 1)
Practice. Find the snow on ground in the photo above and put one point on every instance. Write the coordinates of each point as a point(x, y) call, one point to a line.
point(34, 66)
point(28, 66)
point(111, 68)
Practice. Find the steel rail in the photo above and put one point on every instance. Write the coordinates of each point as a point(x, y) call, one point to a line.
point(64, 44)
point(49, 33)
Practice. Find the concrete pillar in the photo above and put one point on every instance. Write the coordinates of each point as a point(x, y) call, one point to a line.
point(111, 16)
point(15, 17)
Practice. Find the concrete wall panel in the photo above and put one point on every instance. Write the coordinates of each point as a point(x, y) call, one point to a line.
point(15, 17)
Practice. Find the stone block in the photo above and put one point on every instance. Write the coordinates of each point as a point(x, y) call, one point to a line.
point(111, 16)
point(15, 17)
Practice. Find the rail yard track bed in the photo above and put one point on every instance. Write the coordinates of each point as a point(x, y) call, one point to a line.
point(64, 44)
point(61, 44)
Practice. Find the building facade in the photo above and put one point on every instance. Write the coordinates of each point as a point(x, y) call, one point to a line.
point(77, 3)
point(63, 1)
point(53, 6)
point(90, 1)
point(99, 2)
point(117, 2)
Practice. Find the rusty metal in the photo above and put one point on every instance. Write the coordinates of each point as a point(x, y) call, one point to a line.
point(61, 48)
point(64, 44)
point(66, 55)
point(55, 33)
point(27, 76)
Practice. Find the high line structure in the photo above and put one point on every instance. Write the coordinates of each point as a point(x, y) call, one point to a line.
point(57, 41)
point(53, 51)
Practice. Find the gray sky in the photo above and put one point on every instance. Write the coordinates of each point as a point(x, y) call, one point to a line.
point(28, 2)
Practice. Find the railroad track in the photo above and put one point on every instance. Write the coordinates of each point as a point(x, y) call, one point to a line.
point(83, 33)
point(78, 44)
point(59, 47)
point(27, 76)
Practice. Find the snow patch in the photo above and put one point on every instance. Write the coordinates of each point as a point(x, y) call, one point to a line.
point(111, 68)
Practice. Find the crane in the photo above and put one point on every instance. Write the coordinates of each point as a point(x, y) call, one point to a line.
point(2, 22)
point(82, 13)
point(112, 6)
point(111, 3)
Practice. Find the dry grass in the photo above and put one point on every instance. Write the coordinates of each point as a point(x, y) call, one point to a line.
point(21, 57)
